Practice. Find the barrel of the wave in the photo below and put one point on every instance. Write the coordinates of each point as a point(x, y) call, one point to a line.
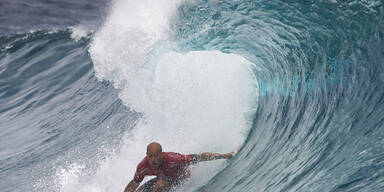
point(189, 101)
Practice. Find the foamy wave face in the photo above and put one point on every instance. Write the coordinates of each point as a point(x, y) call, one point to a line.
point(192, 102)
point(203, 94)
point(122, 48)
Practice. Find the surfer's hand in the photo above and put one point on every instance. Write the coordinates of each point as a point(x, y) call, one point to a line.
point(229, 155)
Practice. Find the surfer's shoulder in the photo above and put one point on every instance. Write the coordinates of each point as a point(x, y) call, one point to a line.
point(143, 163)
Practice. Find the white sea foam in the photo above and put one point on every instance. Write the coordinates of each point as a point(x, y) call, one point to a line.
point(192, 102)
point(78, 32)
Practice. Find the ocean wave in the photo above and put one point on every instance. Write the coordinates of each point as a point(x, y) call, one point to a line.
point(298, 86)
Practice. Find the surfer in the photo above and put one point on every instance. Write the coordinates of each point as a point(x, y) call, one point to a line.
point(169, 167)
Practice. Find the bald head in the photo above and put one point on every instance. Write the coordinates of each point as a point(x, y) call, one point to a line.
point(155, 155)
point(154, 148)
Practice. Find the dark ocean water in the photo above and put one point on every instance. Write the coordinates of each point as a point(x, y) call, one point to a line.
point(298, 85)
point(25, 15)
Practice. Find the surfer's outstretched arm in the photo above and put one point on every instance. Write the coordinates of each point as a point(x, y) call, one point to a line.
point(208, 156)
point(132, 186)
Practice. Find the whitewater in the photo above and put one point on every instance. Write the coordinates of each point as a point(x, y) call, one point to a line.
point(296, 87)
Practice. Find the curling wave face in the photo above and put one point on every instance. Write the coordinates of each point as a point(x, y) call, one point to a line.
point(299, 86)
point(191, 101)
